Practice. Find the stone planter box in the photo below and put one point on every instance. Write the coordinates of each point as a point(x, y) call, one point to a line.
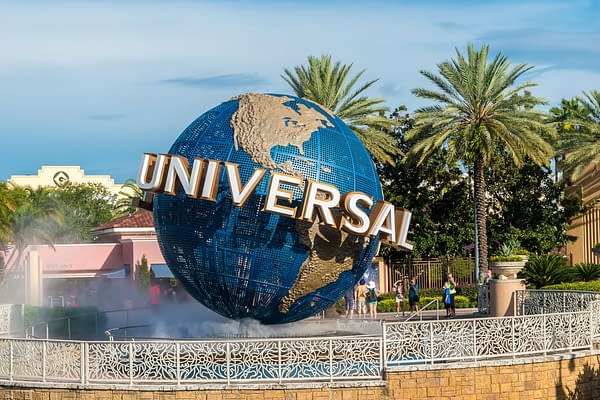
point(507, 269)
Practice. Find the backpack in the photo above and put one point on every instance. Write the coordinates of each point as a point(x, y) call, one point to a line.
point(371, 295)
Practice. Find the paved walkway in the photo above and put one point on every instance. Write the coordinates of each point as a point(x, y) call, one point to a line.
point(427, 315)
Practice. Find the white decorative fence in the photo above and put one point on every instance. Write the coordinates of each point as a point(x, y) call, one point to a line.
point(192, 362)
point(531, 302)
point(139, 364)
point(11, 319)
point(485, 338)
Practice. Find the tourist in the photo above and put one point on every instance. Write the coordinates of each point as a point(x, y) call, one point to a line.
point(399, 290)
point(452, 287)
point(154, 292)
point(361, 297)
point(349, 298)
point(487, 282)
point(447, 298)
point(413, 295)
point(488, 277)
point(372, 299)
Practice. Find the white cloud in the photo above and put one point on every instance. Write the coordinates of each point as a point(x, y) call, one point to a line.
point(556, 84)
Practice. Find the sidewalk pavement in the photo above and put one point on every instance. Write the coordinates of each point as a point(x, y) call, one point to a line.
point(426, 315)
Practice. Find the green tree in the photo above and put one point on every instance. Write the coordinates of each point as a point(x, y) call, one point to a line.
point(143, 274)
point(35, 220)
point(84, 206)
point(332, 86)
point(527, 205)
point(129, 191)
point(580, 133)
point(546, 269)
point(426, 190)
point(8, 204)
point(479, 112)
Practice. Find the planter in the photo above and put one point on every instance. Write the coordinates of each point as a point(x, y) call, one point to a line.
point(507, 269)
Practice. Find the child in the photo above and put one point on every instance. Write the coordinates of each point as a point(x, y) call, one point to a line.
point(447, 299)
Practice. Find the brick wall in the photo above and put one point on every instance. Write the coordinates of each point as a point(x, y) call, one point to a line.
point(561, 377)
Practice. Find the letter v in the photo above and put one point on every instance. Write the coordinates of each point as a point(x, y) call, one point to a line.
point(241, 194)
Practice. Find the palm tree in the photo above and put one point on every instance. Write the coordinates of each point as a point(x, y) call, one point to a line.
point(35, 219)
point(580, 136)
point(331, 86)
point(129, 192)
point(563, 118)
point(7, 206)
point(480, 112)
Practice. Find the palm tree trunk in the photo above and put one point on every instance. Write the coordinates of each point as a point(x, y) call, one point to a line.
point(481, 214)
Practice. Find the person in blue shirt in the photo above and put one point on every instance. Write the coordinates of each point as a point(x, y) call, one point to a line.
point(413, 295)
point(447, 299)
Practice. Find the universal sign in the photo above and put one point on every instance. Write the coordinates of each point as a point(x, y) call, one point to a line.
point(160, 174)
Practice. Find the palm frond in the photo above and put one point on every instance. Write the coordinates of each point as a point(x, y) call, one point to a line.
point(331, 85)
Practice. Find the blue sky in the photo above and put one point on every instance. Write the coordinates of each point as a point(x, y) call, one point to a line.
point(98, 83)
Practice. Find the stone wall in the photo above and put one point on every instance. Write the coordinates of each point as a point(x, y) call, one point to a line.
point(575, 376)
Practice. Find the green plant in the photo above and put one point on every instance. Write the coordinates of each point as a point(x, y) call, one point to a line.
point(585, 272)
point(470, 291)
point(144, 275)
point(592, 286)
point(331, 85)
point(521, 252)
point(507, 248)
point(545, 269)
point(505, 258)
point(596, 246)
point(65, 322)
point(386, 305)
point(461, 268)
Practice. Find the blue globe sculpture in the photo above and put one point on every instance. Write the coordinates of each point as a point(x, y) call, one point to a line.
point(243, 262)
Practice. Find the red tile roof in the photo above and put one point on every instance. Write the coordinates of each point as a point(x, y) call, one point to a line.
point(139, 219)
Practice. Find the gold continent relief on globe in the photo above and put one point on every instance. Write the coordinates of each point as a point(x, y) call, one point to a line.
point(262, 122)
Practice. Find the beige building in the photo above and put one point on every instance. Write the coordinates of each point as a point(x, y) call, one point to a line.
point(56, 175)
point(585, 227)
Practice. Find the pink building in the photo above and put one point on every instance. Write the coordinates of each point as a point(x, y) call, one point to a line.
point(101, 273)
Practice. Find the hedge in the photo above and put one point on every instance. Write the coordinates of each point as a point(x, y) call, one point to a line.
point(82, 322)
point(388, 304)
point(592, 286)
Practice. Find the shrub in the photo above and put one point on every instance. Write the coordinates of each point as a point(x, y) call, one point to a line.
point(507, 249)
point(386, 305)
point(469, 291)
point(387, 295)
point(592, 286)
point(461, 268)
point(85, 322)
point(505, 258)
point(543, 270)
point(585, 272)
